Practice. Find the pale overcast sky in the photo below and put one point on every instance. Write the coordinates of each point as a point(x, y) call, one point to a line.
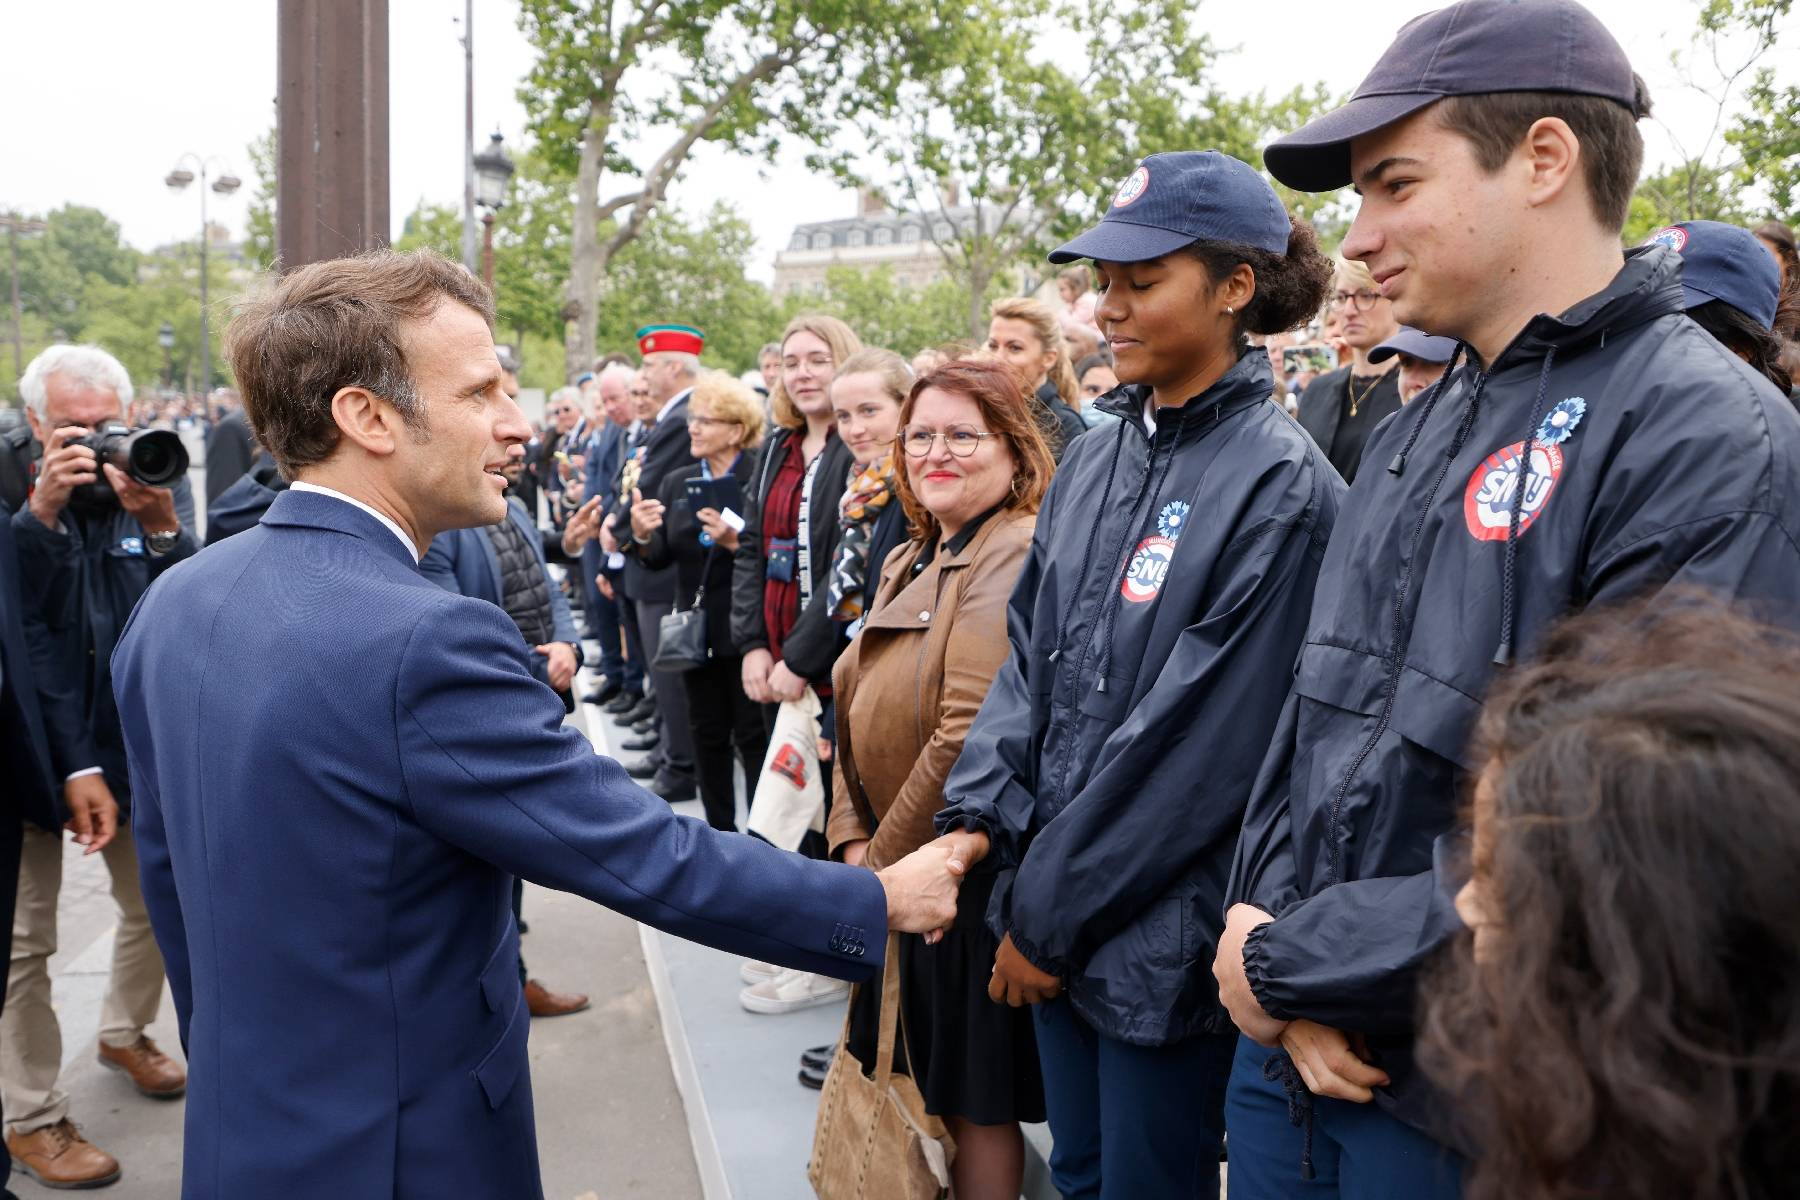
point(102, 96)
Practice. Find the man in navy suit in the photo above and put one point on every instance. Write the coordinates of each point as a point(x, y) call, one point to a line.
point(329, 869)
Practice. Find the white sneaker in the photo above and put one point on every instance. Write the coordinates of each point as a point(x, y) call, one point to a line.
point(755, 971)
point(792, 991)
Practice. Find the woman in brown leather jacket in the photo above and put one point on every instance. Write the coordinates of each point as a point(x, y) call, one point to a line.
point(974, 469)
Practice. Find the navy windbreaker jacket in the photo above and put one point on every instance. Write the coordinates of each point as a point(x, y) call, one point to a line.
point(1659, 460)
point(1153, 637)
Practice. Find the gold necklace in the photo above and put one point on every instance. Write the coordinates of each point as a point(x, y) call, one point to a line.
point(1356, 400)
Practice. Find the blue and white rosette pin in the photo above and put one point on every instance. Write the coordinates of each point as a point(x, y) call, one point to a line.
point(1561, 421)
point(1172, 518)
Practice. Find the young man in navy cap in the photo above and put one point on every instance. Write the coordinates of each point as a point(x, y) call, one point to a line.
point(1587, 444)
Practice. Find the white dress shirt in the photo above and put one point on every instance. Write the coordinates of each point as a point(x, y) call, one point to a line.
point(303, 486)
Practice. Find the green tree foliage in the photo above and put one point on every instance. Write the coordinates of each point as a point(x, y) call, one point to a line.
point(1749, 158)
point(259, 235)
point(1038, 117)
point(887, 313)
point(610, 77)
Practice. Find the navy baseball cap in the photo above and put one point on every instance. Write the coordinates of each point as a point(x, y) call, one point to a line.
point(1723, 262)
point(1176, 199)
point(1428, 347)
point(1468, 49)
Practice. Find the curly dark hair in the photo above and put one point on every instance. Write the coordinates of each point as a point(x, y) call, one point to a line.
point(1634, 1029)
point(1745, 337)
point(1290, 288)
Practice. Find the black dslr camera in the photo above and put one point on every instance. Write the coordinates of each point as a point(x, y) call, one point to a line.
point(151, 456)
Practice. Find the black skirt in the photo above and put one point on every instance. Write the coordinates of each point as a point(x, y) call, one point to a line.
point(970, 1057)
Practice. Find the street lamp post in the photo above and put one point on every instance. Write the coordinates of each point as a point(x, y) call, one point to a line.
point(15, 225)
point(492, 169)
point(165, 337)
point(225, 184)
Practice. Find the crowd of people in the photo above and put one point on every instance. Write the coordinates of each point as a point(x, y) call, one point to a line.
point(1351, 695)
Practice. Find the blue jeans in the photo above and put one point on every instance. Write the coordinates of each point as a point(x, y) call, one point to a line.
point(1129, 1122)
point(1358, 1151)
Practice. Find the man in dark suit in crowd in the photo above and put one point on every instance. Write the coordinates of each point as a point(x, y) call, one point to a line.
point(605, 454)
point(671, 355)
point(329, 869)
point(40, 732)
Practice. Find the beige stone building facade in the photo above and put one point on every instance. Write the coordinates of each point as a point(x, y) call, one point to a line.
point(875, 237)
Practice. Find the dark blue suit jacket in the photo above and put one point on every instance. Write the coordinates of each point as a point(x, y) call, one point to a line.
point(40, 732)
point(329, 869)
point(463, 561)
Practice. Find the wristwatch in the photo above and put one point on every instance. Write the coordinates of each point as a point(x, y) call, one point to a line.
point(160, 544)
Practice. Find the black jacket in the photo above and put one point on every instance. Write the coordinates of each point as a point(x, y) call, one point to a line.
point(41, 731)
point(665, 451)
point(813, 645)
point(1153, 630)
point(242, 505)
point(230, 450)
point(1322, 412)
point(1680, 467)
point(677, 543)
point(84, 579)
point(1060, 423)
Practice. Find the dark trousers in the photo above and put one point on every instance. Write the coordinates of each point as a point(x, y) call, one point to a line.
point(604, 621)
point(671, 697)
point(635, 661)
point(724, 720)
point(1357, 1151)
point(1132, 1121)
point(518, 898)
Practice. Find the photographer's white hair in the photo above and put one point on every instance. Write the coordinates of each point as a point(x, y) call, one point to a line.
point(78, 364)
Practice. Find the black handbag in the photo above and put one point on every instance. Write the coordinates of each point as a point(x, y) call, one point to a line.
point(681, 635)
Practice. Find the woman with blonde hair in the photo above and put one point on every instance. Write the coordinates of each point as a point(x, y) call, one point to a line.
point(1341, 408)
point(972, 473)
point(1023, 333)
point(725, 425)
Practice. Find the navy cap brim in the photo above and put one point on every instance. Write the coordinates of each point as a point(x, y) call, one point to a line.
point(1693, 297)
point(1316, 157)
point(1122, 241)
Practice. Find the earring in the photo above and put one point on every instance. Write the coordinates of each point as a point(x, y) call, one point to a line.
point(1230, 311)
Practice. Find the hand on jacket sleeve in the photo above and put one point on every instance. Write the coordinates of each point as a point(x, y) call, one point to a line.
point(1141, 821)
point(991, 788)
point(1349, 957)
point(489, 766)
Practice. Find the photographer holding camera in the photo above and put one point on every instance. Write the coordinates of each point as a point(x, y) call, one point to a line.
point(110, 509)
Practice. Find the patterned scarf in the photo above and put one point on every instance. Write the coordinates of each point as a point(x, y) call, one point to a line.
point(863, 501)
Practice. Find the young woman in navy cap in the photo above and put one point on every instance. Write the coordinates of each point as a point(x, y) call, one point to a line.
point(1165, 595)
point(1731, 287)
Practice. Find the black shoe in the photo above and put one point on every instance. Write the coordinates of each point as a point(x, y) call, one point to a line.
point(624, 702)
point(600, 695)
point(644, 727)
point(641, 743)
point(642, 710)
point(813, 1077)
point(819, 1057)
point(524, 926)
point(644, 769)
point(673, 788)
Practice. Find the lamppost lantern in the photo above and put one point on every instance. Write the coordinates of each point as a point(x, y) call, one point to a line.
point(165, 337)
point(223, 184)
point(492, 169)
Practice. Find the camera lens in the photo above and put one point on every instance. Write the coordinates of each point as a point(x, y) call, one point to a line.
point(156, 457)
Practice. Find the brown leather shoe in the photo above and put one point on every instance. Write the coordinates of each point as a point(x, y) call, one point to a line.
point(57, 1156)
point(155, 1073)
point(545, 1003)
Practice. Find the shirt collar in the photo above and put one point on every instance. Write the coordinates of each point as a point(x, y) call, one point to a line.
point(677, 398)
point(303, 486)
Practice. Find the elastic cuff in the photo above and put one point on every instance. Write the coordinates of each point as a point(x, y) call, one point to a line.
point(1256, 971)
point(1049, 964)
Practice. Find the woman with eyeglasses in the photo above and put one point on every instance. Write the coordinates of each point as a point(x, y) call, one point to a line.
point(1152, 633)
point(1341, 408)
point(725, 425)
point(973, 468)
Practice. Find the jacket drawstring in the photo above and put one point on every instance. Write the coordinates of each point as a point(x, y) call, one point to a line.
point(1087, 557)
point(1509, 592)
point(1398, 465)
point(1155, 483)
point(1299, 1101)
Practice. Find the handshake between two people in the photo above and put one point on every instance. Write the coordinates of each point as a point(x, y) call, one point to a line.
point(921, 895)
